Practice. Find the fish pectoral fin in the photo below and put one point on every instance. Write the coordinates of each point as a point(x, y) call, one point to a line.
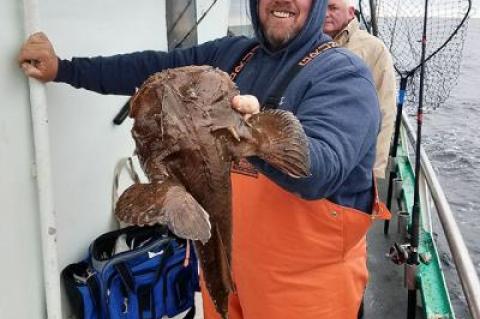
point(282, 142)
point(166, 203)
point(186, 217)
point(141, 204)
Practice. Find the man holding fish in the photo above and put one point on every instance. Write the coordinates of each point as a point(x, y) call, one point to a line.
point(298, 247)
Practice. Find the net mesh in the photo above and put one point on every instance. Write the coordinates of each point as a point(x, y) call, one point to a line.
point(400, 26)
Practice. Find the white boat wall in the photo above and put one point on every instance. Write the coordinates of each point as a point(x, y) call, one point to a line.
point(84, 144)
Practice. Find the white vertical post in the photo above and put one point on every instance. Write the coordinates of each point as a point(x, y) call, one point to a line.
point(38, 104)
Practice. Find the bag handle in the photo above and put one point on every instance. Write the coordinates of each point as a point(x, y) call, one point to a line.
point(126, 164)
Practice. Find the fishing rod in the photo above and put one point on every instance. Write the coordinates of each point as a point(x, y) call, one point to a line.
point(412, 261)
point(393, 149)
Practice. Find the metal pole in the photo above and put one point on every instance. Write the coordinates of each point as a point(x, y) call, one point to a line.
point(181, 22)
point(44, 179)
point(373, 17)
point(393, 149)
point(412, 261)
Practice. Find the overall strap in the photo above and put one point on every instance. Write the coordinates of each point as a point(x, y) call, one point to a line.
point(246, 57)
point(275, 96)
point(273, 100)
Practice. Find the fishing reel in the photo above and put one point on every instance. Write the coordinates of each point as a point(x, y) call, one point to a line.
point(399, 254)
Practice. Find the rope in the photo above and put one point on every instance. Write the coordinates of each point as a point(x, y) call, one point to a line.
point(196, 24)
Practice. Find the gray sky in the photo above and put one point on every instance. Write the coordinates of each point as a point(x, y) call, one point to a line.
point(475, 5)
point(476, 8)
point(240, 6)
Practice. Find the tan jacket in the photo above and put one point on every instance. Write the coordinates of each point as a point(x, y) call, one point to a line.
point(376, 55)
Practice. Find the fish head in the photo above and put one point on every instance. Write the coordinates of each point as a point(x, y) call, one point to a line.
point(186, 109)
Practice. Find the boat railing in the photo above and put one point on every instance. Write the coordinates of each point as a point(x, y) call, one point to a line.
point(461, 257)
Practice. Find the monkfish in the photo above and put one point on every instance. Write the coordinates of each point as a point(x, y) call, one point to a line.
point(187, 136)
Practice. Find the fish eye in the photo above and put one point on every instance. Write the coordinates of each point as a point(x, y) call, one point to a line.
point(188, 91)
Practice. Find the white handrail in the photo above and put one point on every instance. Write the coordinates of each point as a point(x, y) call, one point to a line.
point(43, 176)
point(463, 262)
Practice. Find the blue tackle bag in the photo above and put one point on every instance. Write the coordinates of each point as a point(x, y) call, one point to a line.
point(134, 273)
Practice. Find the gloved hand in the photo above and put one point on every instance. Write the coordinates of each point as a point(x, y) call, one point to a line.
point(37, 58)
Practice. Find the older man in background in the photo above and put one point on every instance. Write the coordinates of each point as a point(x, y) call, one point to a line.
point(343, 27)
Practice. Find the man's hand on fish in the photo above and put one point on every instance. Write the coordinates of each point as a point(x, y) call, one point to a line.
point(38, 59)
point(246, 105)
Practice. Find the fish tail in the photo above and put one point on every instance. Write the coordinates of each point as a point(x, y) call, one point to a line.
point(215, 264)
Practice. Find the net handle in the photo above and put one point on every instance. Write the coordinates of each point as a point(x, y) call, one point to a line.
point(446, 41)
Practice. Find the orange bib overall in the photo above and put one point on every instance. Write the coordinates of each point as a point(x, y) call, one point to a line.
point(294, 258)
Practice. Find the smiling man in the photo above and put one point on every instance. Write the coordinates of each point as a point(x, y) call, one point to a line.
point(282, 21)
point(298, 248)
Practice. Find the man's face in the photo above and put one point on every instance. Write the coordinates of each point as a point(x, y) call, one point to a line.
point(282, 20)
point(339, 14)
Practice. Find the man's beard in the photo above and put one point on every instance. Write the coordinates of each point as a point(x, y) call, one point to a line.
point(278, 42)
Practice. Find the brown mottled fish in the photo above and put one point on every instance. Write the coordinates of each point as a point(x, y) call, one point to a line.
point(187, 136)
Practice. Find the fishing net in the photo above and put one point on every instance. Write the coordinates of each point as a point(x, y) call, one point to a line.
point(400, 26)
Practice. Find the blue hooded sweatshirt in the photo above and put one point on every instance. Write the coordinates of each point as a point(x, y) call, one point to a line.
point(334, 98)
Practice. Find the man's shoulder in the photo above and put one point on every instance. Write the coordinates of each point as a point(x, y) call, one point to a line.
point(235, 42)
point(335, 54)
point(342, 56)
point(364, 39)
point(230, 49)
point(368, 47)
point(338, 60)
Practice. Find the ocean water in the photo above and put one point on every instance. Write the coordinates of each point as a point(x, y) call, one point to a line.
point(452, 141)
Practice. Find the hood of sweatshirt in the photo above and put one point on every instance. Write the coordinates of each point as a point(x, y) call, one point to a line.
point(310, 33)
